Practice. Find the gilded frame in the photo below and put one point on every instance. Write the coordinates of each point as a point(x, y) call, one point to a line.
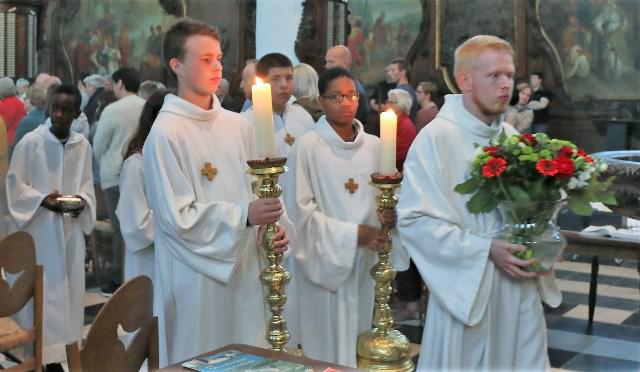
point(519, 40)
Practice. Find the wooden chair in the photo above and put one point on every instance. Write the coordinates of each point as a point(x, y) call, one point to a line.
point(18, 257)
point(130, 307)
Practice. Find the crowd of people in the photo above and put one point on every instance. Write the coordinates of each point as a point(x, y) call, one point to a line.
point(171, 169)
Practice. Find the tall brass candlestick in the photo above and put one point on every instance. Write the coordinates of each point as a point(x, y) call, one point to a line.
point(275, 277)
point(384, 348)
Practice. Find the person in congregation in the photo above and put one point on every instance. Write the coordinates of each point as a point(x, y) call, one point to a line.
point(400, 102)
point(48, 163)
point(330, 201)
point(11, 107)
point(520, 115)
point(225, 99)
point(290, 121)
point(378, 102)
point(400, 74)
point(305, 89)
point(94, 87)
point(539, 103)
point(484, 310)
point(207, 263)
point(428, 108)
point(246, 81)
point(37, 98)
point(134, 214)
point(4, 168)
point(148, 87)
point(22, 88)
point(118, 123)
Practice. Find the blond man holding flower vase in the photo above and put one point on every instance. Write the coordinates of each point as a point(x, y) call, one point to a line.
point(484, 311)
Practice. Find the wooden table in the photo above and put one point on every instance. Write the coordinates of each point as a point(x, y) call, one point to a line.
point(317, 365)
point(600, 246)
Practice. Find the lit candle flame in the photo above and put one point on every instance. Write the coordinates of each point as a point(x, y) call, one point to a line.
point(258, 81)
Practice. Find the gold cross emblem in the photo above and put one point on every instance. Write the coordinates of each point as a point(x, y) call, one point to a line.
point(209, 171)
point(351, 185)
point(289, 139)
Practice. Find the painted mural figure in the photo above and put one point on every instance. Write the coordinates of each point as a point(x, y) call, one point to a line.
point(355, 41)
point(610, 24)
point(380, 32)
point(576, 40)
point(110, 56)
point(105, 36)
point(123, 45)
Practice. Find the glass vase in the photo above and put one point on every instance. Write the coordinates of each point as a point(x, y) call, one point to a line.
point(533, 225)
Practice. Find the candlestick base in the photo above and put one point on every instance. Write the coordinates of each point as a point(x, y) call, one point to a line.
point(383, 348)
point(384, 352)
point(274, 277)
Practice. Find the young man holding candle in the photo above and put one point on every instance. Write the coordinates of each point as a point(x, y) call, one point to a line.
point(333, 206)
point(47, 163)
point(491, 317)
point(290, 121)
point(277, 120)
point(207, 287)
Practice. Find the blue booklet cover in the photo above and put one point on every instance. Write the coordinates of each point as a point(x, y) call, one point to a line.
point(232, 360)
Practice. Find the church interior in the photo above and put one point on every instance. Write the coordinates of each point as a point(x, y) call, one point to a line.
point(574, 77)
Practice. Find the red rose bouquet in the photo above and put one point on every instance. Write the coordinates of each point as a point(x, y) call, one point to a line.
point(529, 175)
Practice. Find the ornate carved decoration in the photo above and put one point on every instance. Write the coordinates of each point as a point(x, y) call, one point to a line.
point(455, 23)
point(310, 42)
point(176, 8)
point(63, 14)
point(420, 46)
point(323, 24)
point(248, 42)
point(18, 37)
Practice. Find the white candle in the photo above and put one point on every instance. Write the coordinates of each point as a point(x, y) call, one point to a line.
point(388, 131)
point(265, 136)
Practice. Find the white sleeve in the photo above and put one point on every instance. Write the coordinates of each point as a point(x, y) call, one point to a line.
point(87, 191)
point(451, 260)
point(103, 136)
point(23, 201)
point(134, 214)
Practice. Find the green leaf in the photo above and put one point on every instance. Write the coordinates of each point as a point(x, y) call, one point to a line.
point(580, 206)
point(502, 136)
point(607, 197)
point(468, 186)
point(481, 203)
point(518, 194)
point(536, 190)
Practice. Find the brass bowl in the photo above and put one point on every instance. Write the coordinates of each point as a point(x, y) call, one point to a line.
point(69, 203)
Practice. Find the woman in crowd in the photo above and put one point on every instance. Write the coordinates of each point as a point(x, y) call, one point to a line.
point(519, 115)
point(11, 107)
point(136, 218)
point(400, 102)
point(305, 89)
